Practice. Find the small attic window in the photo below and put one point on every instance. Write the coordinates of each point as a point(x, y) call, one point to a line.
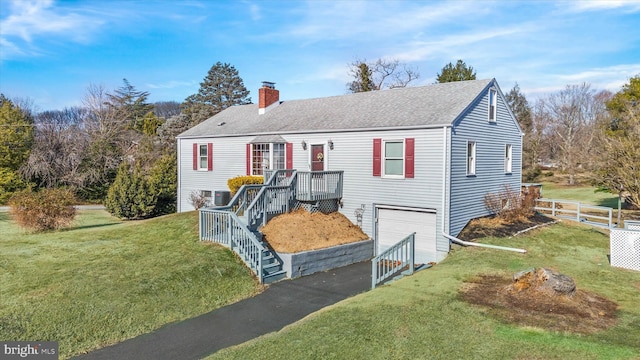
point(493, 105)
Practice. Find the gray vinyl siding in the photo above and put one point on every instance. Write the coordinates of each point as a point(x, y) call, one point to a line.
point(228, 161)
point(352, 153)
point(468, 192)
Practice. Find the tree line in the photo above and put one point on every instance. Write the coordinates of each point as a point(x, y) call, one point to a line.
point(120, 149)
point(117, 148)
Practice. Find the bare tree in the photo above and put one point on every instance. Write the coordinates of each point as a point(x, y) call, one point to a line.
point(59, 145)
point(572, 115)
point(380, 74)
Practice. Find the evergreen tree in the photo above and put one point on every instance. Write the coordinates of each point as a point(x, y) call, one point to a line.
point(131, 104)
point(458, 72)
point(16, 139)
point(220, 89)
point(363, 81)
point(16, 134)
point(130, 196)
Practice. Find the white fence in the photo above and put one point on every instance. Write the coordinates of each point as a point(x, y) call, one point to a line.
point(572, 210)
point(625, 248)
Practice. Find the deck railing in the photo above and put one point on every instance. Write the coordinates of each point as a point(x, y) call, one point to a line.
point(224, 227)
point(271, 201)
point(279, 177)
point(319, 185)
point(577, 211)
point(393, 260)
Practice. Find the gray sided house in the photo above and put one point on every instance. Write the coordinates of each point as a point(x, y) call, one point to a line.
point(416, 159)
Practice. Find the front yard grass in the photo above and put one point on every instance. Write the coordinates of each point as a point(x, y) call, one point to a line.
point(424, 317)
point(584, 194)
point(105, 281)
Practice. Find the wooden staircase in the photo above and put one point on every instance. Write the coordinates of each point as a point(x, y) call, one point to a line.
point(236, 224)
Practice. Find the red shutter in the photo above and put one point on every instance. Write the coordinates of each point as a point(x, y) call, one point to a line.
point(289, 155)
point(409, 145)
point(377, 157)
point(195, 156)
point(209, 157)
point(248, 159)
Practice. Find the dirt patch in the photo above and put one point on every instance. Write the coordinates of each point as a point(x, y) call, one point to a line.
point(496, 227)
point(302, 231)
point(583, 312)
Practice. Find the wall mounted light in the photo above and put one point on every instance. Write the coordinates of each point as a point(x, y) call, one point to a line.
point(330, 143)
point(304, 145)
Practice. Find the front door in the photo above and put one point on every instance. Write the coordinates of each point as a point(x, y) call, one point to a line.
point(317, 157)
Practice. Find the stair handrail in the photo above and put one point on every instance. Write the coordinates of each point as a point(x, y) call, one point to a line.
point(222, 226)
point(256, 209)
point(394, 259)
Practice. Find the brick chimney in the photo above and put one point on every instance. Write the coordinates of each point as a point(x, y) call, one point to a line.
point(267, 96)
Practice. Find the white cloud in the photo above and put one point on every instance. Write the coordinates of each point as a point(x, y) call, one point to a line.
point(32, 18)
point(597, 5)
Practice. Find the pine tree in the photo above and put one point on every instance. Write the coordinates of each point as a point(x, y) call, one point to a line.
point(458, 72)
point(220, 89)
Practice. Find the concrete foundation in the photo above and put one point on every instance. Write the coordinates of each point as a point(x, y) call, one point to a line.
point(309, 262)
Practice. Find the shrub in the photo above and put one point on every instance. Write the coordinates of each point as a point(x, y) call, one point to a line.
point(163, 180)
point(237, 182)
point(130, 196)
point(47, 209)
point(511, 205)
point(198, 200)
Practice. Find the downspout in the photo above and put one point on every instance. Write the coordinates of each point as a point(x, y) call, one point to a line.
point(467, 243)
point(444, 179)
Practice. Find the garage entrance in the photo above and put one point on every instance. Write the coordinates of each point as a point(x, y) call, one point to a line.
point(395, 223)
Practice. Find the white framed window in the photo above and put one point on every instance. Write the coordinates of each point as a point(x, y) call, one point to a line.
point(393, 158)
point(207, 195)
point(493, 105)
point(270, 156)
point(471, 158)
point(203, 157)
point(508, 158)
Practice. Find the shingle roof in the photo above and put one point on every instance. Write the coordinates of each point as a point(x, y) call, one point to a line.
point(431, 105)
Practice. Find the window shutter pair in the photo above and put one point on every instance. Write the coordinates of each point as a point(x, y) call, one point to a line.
point(409, 150)
point(288, 157)
point(196, 156)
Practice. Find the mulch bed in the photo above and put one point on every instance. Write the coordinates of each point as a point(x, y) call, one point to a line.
point(495, 227)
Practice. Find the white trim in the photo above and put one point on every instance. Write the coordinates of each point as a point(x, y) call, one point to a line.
point(383, 172)
point(325, 131)
point(325, 153)
point(206, 157)
point(492, 101)
point(405, 208)
point(471, 171)
point(508, 160)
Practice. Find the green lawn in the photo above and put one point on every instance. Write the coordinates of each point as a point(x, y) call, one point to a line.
point(585, 194)
point(104, 280)
point(423, 317)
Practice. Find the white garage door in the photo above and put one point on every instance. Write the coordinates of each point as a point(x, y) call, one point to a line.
point(396, 224)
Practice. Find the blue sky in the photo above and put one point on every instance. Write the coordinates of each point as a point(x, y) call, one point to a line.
point(51, 51)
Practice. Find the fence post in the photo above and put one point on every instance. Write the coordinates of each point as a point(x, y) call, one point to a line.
point(578, 213)
point(412, 257)
point(610, 218)
point(374, 273)
point(553, 208)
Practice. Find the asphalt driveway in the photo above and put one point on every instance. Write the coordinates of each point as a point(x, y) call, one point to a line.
point(281, 304)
